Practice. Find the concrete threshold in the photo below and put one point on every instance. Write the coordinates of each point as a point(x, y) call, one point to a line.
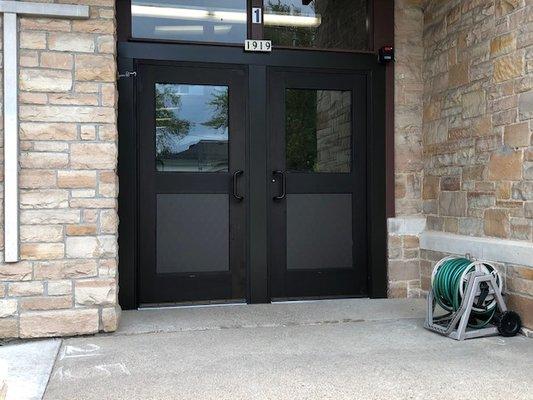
point(199, 318)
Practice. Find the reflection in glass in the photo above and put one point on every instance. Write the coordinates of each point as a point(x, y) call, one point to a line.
point(190, 20)
point(326, 24)
point(318, 130)
point(191, 128)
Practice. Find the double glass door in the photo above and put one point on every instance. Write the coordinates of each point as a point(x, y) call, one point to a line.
point(196, 195)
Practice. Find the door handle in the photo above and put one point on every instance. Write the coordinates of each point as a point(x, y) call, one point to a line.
point(283, 193)
point(236, 195)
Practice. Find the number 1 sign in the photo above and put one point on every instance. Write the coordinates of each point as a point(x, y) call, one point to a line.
point(256, 15)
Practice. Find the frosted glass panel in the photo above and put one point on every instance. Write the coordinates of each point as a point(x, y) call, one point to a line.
point(192, 233)
point(319, 231)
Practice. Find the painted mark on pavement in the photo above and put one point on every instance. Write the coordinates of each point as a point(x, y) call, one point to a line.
point(95, 371)
point(88, 350)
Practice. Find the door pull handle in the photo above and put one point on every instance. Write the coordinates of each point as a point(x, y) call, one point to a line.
point(236, 195)
point(283, 193)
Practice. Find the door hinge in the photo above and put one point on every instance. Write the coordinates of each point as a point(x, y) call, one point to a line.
point(128, 74)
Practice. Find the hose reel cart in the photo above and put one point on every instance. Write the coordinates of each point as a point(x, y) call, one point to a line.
point(470, 293)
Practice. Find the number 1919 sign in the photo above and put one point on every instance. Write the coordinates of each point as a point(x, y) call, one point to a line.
point(258, 45)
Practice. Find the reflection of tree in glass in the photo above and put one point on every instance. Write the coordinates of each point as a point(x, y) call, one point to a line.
point(219, 104)
point(289, 35)
point(169, 126)
point(301, 125)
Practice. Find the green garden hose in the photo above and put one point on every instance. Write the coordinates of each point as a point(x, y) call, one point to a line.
point(449, 282)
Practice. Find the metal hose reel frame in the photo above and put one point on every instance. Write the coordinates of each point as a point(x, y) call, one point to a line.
point(470, 291)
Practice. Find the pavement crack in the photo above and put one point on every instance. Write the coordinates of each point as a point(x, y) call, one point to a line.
point(237, 326)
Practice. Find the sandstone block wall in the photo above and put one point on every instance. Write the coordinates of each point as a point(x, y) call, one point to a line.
point(477, 127)
point(478, 108)
point(66, 281)
point(404, 265)
point(463, 111)
point(404, 260)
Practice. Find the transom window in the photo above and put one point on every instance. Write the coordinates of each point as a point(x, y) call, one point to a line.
point(324, 24)
point(190, 20)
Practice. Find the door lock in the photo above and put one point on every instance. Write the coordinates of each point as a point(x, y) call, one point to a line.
point(128, 74)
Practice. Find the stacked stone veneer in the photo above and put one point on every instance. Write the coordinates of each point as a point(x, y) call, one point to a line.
point(404, 256)
point(477, 126)
point(463, 126)
point(478, 106)
point(66, 281)
point(404, 259)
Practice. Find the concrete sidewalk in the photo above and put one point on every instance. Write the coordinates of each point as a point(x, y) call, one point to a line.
point(342, 349)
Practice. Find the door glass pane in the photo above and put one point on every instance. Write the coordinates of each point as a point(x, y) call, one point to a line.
point(319, 231)
point(189, 20)
point(192, 233)
point(318, 130)
point(191, 128)
point(326, 24)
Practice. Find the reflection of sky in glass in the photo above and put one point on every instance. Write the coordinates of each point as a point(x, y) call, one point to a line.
point(196, 109)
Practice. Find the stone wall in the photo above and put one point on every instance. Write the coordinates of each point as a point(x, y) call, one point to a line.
point(477, 125)
point(478, 106)
point(66, 281)
point(404, 268)
point(404, 256)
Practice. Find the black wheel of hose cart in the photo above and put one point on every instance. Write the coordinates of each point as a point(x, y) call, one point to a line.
point(508, 323)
